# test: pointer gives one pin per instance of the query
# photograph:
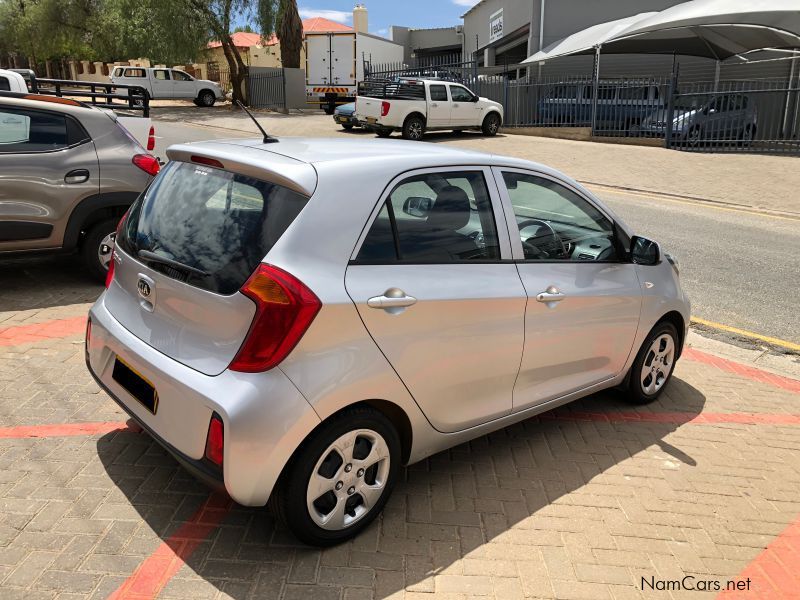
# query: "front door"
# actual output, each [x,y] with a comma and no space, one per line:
[434,284]
[438,106]
[463,111]
[47,165]
[183,85]
[583,300]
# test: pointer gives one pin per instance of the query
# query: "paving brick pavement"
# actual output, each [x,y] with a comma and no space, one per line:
[591,501]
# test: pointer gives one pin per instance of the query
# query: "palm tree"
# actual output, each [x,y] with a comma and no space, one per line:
[290,33]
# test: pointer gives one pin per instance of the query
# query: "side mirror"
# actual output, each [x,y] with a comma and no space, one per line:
[644,251]
[475,98]
[417,206]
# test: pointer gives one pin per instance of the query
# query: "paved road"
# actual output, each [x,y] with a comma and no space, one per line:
[739,268]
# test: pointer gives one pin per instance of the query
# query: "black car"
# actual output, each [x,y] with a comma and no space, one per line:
[345,115]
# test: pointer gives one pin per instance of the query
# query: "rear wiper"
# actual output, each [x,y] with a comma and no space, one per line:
[157,258]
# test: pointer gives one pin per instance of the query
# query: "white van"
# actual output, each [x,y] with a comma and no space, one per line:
[162,84]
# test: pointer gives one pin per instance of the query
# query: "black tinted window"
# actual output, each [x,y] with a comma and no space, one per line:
[5,85]
[438,93]
[437,217]
[209,220]
[31,131]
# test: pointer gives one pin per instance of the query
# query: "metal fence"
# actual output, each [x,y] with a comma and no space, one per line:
[266,88]
[742,115]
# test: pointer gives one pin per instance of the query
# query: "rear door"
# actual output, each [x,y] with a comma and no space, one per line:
[583,298]
[194,238]
[441,298]
[48,164]
[343,59]
[318,50]
[438,106]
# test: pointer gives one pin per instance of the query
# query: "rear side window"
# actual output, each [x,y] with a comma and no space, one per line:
[5,85]
[36,131]
[438,93]
[212,227]
[434,218]
[161,74]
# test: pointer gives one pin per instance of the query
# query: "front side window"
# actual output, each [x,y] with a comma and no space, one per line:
[32,131]
[438,93]
[434,218]
[555,223]
[180,76]
[460,94]
[161,75]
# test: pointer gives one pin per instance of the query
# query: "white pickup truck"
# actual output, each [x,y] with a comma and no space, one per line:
[415,106]
[162,83]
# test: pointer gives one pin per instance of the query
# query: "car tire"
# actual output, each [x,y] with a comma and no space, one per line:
[654,364]
[413,128]
[96,250]
[327,463]
[206,98]
[383,133]
[347,126]
[491,124]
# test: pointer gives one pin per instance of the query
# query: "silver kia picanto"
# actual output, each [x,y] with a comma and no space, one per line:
[297,320]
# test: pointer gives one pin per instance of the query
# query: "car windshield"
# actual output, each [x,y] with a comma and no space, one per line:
[217,225]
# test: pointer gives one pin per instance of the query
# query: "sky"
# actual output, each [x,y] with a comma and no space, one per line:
[383,13]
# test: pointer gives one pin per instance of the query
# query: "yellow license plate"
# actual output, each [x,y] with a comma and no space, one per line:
[372,120]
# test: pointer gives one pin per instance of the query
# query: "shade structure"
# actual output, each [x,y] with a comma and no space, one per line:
[716,29]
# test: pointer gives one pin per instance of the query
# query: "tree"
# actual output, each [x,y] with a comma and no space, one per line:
[244,28]
[290,34]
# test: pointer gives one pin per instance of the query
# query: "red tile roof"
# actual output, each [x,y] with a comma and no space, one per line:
[243,39]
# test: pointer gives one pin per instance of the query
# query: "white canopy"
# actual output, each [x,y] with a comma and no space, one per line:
[715,29]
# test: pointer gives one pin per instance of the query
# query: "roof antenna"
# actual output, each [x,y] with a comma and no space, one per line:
[268,139]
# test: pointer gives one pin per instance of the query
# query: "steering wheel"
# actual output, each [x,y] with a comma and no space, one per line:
[554,248]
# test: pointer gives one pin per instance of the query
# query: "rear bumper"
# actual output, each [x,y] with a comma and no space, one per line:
[265,418]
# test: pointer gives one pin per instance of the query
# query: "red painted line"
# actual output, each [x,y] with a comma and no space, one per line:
[774,574]
[154,573]
[676,418]
[46,330]
[786,383]
[64,429]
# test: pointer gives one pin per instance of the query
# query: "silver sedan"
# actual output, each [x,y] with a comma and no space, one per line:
[297,320]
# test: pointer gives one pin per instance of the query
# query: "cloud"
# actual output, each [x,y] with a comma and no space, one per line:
[467,3]
[339,16]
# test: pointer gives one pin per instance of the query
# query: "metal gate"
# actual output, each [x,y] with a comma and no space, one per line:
[266,88]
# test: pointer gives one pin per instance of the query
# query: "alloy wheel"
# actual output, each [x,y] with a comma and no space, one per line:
[105,249]
[657,364]
[348,479]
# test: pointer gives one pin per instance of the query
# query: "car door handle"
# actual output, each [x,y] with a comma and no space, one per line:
[434,105]
[392,298]
[551,294]
[77,176]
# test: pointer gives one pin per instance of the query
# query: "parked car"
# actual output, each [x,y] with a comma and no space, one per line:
[11,81]
[345,115]
[620,104]
[707,118]
[414,106]
[162,83]
[359,305]
[68,172]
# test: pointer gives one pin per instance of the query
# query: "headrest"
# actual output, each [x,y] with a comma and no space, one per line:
[451,209]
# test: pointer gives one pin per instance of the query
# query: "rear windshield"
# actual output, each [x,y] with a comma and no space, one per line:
[211,227]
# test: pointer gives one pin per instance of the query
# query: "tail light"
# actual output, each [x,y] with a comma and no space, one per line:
[285,308]
[151,139]
[385,106]
[215,442]
[147,163]
[110,274]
